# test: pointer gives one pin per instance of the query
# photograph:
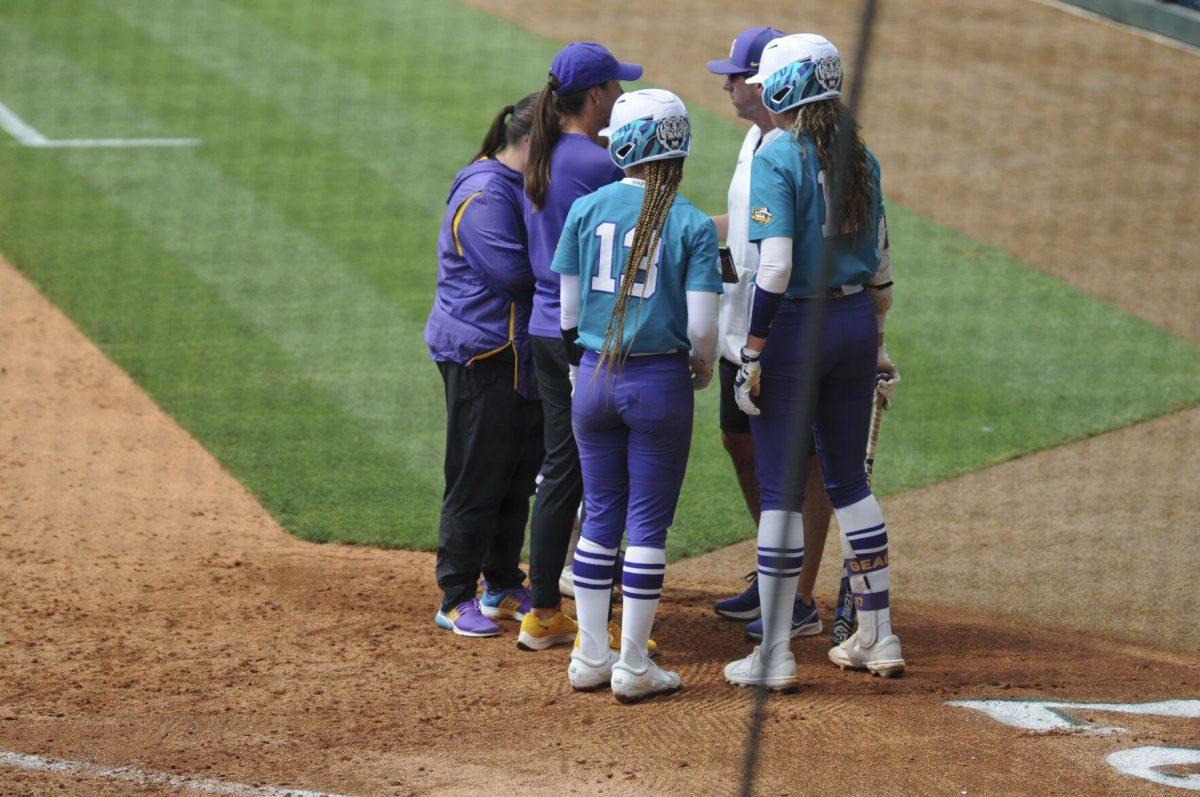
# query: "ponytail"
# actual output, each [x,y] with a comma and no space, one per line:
[543,137]
[510,126]
[494,139]
[822,120]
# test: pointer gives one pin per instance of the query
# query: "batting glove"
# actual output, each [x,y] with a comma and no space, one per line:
[573,375]
[745,384]
[889,377]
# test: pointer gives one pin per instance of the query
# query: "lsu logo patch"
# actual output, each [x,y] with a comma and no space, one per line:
[760,216]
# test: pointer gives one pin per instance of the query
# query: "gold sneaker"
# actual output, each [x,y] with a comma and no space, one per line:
[614,640]
[537,634]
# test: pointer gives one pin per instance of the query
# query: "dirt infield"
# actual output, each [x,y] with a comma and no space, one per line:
[1099,534]
[156,617]
[1066,141]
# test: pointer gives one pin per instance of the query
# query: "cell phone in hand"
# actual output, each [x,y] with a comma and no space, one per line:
[728,272]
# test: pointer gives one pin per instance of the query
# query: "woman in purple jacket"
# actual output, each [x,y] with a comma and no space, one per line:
[478,335]
[566,162]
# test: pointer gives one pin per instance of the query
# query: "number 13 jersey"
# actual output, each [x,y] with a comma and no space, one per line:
[595,245]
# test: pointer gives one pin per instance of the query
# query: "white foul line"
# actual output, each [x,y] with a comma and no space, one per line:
[18,129]
[144,777]
[26,135]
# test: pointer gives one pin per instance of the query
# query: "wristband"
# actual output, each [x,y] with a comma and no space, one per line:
[762,314]
[574,350]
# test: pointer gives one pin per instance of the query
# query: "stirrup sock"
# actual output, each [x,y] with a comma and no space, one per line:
[865,545]
[592,574]
[780,558]
[641,586]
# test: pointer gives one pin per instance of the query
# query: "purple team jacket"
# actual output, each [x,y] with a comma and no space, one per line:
[484,282]
[578,166]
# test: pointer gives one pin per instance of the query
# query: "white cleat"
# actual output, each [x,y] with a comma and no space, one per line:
[883,658]
[566,581]
[630,685]
[778,675]
[586,675]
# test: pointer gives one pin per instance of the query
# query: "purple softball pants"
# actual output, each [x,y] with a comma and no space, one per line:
[845,374]
[633,427]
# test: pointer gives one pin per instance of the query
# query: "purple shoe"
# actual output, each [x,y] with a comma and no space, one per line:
[509,603]
[465,619]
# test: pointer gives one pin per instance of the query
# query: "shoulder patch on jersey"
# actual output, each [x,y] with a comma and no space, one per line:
[760,216]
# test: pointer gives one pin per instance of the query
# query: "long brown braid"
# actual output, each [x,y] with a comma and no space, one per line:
[822,120]
[662,180]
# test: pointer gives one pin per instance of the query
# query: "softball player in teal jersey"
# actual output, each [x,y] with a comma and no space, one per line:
[791,219]
[639,294]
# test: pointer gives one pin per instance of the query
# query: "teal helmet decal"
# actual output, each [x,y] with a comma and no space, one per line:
[644,140]
[801,82]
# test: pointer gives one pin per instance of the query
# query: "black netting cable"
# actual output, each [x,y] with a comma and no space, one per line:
[808,398]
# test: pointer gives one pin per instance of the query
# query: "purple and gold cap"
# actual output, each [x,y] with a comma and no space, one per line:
[746,52]
[581,65]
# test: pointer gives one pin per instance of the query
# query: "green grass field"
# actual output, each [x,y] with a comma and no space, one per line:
[269,288]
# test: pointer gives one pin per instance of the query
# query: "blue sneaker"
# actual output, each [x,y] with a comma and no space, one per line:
[741,607]
[511,604]
[805,622]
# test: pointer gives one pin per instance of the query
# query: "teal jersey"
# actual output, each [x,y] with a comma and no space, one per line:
[594,243]
[789,198]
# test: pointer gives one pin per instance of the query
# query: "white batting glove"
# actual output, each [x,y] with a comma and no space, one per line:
[702,373]
[745,384]
[572,374]
[886,387]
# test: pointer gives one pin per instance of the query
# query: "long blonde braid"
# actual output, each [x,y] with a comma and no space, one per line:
[662,180]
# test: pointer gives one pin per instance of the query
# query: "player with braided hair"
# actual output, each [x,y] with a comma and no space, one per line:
[639,290]
[793,181]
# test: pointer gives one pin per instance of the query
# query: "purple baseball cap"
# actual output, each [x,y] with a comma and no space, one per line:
[581,65]
[746,52]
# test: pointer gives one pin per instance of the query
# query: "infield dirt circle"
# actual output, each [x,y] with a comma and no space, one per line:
[155,616]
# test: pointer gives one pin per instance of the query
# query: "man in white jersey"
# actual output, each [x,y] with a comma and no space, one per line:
[733,228]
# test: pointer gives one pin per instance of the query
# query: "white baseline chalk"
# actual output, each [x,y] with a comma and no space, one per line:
[144,777]
[17,128]
[26,135]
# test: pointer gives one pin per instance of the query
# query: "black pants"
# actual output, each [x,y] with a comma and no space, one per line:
[493,452]
[562,480]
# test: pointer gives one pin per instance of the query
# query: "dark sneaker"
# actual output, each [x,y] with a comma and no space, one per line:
[465,619]
[805,622]
[744,606]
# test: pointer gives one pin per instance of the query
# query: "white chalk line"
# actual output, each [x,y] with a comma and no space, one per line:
[1049,715]
[28,136]
[144,777]
[1144,763]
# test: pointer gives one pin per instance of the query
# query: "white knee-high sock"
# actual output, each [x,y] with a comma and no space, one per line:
[641,586]
[864,537]
[780,558]
[592,572]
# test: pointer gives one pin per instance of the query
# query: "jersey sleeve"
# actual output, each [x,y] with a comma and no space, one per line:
[489,229]
[704,268]
[566,256]
[772,198]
